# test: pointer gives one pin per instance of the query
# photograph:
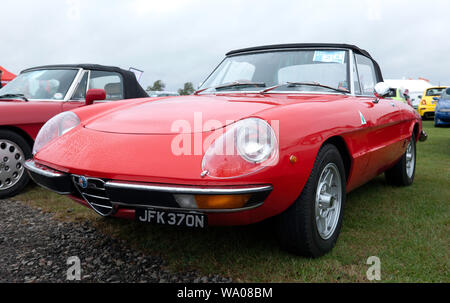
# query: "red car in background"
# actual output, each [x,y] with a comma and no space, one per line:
[279,130]
[40,93]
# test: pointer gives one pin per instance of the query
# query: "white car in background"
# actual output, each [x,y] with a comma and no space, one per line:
[415,98]
[155,93]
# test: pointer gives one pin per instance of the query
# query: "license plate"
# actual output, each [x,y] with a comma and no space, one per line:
[163,217]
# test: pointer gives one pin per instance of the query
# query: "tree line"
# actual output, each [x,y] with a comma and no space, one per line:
[159,85]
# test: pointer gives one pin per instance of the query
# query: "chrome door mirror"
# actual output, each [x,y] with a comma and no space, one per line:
[381,90]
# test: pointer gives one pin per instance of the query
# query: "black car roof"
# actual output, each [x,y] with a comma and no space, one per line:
[84,66]
[300,45]
[309,45]
[132,88]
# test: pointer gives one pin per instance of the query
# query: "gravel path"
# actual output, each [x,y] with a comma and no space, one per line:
[35,248]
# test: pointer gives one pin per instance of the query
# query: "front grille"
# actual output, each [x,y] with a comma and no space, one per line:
[93,191]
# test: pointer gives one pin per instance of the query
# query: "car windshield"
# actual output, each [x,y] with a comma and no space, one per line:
[310,70]
[50,85]
[435,91]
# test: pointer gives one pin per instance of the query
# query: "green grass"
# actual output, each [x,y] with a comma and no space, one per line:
[407,228]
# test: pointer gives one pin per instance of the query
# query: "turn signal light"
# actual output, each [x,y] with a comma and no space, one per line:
[221,201]
[424,102]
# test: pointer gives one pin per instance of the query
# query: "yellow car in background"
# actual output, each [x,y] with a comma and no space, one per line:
[427,105]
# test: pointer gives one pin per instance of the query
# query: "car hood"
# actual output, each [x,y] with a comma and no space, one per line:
[185,114]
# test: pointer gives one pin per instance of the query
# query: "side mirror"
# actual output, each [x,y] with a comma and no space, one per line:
[95,95]
[381,91]
[435,98]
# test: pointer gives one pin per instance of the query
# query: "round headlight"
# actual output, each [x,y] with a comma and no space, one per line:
[247,146]
[255,140]
[54,128]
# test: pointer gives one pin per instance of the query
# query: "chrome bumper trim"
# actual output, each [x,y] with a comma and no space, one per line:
[32,166]
[174,189]
[423,136]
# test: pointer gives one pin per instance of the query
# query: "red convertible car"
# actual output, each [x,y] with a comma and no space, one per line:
[280,130]
[40,93]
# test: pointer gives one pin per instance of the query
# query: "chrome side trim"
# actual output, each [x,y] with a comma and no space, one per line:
[42,170]
[201,210]
[188,190]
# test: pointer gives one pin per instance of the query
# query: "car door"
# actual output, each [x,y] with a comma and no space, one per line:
[111,82]
[383,121]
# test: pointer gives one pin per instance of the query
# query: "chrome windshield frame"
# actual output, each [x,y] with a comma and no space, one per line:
[349,71]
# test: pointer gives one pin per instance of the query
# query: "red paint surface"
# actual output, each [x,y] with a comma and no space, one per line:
[132,141]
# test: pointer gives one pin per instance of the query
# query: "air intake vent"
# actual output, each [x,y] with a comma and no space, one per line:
[93,192]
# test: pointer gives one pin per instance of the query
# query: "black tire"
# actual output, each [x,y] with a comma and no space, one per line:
[298,231]
[398,174]
[20,183]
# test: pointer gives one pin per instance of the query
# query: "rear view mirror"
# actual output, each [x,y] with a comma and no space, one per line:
[95,95]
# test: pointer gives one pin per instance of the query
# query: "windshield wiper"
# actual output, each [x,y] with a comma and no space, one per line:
[237,84]
[293,84]
[21,96]
[232,84]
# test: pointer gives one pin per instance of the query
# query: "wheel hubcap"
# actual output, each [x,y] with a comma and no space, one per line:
[328,201]
[410,159]
[12,159]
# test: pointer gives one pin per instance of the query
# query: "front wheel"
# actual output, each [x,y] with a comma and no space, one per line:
[311,226]
[402,173]
[14,150]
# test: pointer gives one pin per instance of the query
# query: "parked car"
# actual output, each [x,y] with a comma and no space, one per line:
[442,115]
[416,97]
[400,95]
[156,93]
[269,133]
[40,93]
[428,104]
[396,94]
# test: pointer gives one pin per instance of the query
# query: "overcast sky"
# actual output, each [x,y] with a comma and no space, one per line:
[179,41]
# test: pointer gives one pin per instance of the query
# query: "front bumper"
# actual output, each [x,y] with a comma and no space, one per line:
[442,117]
[49,178]
[423,136]
[107,197]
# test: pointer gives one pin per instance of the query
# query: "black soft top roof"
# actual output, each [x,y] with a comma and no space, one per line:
[132,88]
[310,45]
[300,45]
